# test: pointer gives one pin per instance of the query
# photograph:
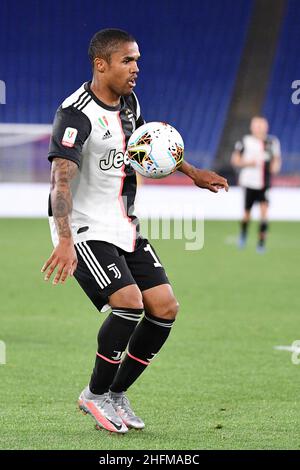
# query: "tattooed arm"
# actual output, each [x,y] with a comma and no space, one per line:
[62,171]
[64,256]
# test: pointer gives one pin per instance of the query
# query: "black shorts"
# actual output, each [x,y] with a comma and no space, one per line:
[104,268]
[254,195]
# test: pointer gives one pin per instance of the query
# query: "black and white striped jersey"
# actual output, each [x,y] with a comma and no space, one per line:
[262,152]
[94,136]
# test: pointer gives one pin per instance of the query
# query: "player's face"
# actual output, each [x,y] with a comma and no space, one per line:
[122,71]
[259,127]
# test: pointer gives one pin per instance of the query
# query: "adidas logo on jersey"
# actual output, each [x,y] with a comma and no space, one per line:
[107,135]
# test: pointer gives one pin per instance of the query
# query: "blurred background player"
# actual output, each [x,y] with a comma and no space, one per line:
[257,156]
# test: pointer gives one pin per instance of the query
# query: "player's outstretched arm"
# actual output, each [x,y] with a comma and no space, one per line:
[63,257]
[204,178]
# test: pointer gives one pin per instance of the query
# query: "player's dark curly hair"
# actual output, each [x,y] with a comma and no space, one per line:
[107,41]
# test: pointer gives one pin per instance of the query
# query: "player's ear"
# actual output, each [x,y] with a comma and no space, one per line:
[99,65]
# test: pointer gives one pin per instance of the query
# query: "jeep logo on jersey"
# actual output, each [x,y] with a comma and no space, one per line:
[113,159]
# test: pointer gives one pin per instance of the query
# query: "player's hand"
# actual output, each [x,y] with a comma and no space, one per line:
[209,180]
[64,258]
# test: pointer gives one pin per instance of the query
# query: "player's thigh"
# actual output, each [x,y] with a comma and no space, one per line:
[249,199]
[151,278]
[145,266]
[161,302]
[102,272]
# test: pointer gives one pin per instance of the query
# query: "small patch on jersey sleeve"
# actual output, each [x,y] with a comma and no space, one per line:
[69,137]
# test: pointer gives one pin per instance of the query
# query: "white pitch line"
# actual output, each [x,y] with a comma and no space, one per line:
[288,348]
[231,240]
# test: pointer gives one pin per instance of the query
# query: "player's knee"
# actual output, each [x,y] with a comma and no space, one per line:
[127,297]
[168,310]
[246,217]
[174,308]
[136,303]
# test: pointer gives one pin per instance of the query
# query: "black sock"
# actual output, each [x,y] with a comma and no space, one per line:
[262,232]
[147,339]
[113,338]
[244,229]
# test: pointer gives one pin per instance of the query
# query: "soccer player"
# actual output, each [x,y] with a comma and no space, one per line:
[257,156]
[96,234]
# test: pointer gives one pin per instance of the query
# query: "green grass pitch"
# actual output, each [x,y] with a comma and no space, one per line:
[217,384]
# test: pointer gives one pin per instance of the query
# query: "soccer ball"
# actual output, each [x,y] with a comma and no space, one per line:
[155,150]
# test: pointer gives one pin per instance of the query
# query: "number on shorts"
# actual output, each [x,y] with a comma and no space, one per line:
[156,262]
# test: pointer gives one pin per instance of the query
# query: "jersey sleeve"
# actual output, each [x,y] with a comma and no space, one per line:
[239,146]
[71,128]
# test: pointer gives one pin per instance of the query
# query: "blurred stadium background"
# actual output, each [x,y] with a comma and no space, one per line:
[207,67]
